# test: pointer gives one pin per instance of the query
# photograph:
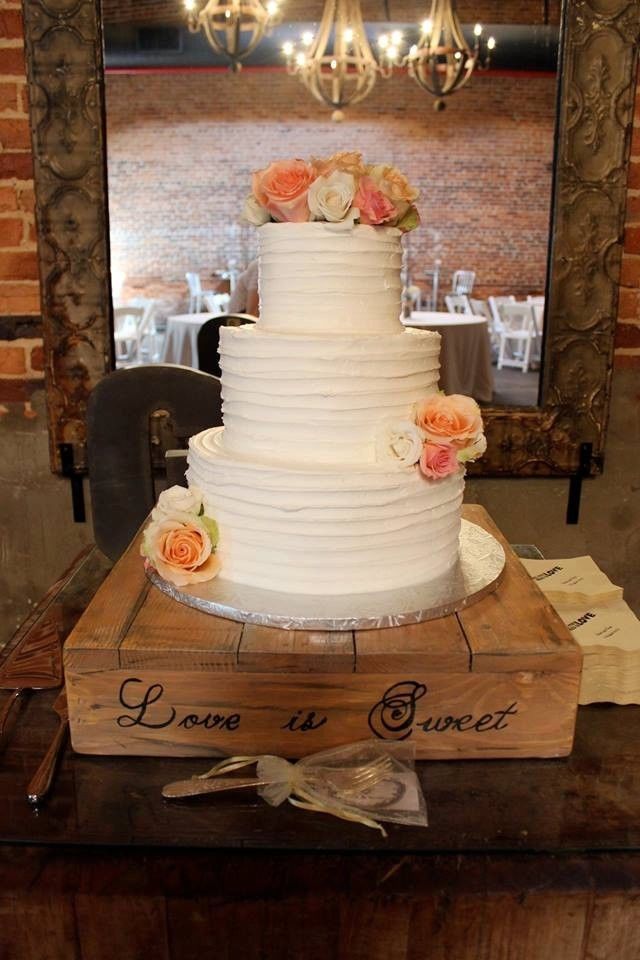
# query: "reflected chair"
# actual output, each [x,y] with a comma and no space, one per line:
[458,303]
[480,308]
[518,333]
[462,282]
[209,339]
[196,293]
[118,441]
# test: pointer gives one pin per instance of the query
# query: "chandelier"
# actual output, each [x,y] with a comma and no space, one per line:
[234,28]
[337,65]
[442,61]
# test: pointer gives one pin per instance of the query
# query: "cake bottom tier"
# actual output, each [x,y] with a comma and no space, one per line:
[326,530]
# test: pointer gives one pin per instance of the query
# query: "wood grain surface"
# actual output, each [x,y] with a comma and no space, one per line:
[148,675]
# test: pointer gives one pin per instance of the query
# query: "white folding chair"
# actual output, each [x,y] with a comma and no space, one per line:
[480,308]
[458,304]
[196,293]
[518,333]
[216,302]
[126,333]
[494,305]
[462,281]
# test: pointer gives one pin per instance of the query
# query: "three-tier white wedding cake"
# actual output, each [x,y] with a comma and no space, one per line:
[307,493]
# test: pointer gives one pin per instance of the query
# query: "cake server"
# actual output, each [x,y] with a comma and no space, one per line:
[40,783]
[35,664]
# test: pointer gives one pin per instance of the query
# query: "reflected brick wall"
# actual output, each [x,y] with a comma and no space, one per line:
[181,148]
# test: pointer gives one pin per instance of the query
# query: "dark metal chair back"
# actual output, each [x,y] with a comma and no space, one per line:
[118,447]
[209,339]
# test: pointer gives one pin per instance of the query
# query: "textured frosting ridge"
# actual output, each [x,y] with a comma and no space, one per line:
[330,278]
[326,530]
[306,399]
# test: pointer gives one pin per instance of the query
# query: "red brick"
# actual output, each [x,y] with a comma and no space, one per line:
[12,61]
[19,266]
[629,304]
[11,232]
[8,95]
[626,361]
[18,165]
[11,24]
[633,180]
[14,133]
[632,240]
[13,361]
[37,358]
[8,199]
[19,298]
[630,272]
[627,335]
[633,208]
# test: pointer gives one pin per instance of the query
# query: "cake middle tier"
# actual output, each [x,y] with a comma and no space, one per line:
[298,399]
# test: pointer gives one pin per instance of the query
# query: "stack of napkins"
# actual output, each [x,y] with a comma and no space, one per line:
[603,624]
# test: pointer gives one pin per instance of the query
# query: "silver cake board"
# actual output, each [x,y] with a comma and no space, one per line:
[477,572]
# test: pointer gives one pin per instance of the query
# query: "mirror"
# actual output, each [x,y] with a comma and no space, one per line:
[551,429]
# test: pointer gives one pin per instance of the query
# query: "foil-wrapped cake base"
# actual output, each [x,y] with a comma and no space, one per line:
[477,572]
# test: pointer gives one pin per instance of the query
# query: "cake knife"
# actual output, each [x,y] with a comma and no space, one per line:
[35,664]
[40,782]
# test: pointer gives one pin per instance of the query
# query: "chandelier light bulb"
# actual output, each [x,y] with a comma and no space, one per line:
[307,38]
[287,48]
[413,50]
[189,5]
[383,41]
[427,26]
[272,8]
[396,38]
[348,35]
[301,59]
[477,30]
[491,43]
[334,64]
[392,53]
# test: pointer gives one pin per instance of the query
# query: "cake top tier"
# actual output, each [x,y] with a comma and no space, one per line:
[330,278]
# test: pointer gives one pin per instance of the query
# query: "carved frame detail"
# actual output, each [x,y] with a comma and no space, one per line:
[63,41]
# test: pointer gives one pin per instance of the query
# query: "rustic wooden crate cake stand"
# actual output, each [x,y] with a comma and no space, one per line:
[147,675]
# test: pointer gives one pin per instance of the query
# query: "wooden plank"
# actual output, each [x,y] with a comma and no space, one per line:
[187,713]
[614,927]
[126,927]
[270,650]
[167,634]
[435,645]
[106,620]
[515,627]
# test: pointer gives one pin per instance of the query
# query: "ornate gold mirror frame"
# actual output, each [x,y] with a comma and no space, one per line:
[565,434]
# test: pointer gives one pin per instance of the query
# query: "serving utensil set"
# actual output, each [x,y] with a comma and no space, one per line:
[36,664]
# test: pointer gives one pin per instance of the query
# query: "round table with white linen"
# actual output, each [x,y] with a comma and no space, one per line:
[465,355]
[181,338]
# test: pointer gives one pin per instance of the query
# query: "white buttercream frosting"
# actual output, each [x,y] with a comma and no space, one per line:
[331,529]
[309,399]
[329,278]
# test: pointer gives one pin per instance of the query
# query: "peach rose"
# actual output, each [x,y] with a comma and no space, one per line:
[438,460]
[181,550]
[373,205]
[394,185]
[345,161]
[282,187]
[454,419]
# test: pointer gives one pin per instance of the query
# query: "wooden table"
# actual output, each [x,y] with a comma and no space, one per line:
[523,860]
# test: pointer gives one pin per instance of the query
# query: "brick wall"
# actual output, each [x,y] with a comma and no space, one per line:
[489,11]
[182,147]
[21,360]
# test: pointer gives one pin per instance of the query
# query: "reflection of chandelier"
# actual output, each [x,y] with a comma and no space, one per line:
[338,65]
[442,61]
[234,28]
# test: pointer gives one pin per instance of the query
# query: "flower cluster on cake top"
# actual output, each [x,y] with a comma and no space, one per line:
[339,189]
[445,433]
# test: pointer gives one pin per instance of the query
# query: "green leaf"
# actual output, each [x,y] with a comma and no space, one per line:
[410,221]
[212,529]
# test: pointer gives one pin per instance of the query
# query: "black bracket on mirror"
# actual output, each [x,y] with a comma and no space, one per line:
[588,465]
[75,476]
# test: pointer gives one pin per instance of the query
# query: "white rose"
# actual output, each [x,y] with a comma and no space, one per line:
[254,213]
[177,500]
[474,450]
[329,198]
[400,440]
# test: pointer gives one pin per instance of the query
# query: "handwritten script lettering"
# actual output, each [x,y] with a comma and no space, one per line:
[141,714]
[394,716]
[297,723]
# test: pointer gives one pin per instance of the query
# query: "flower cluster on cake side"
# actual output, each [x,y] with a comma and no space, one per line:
[445,433]
[337,189]
[180,541]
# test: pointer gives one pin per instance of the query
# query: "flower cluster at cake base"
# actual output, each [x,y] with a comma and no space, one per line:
[339,189]
[180,541]
[445,433]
